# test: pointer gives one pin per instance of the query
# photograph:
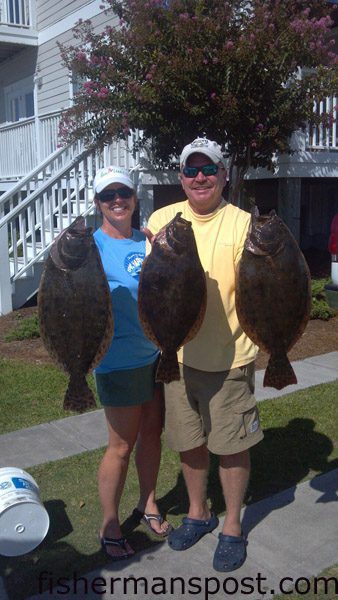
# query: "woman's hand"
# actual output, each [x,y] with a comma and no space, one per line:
[150,236]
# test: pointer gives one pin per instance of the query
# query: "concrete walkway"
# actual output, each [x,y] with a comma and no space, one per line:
[291,535]
[73,435]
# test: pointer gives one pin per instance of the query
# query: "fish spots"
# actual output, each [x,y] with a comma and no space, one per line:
[75,329]
[172,294]
[273,297]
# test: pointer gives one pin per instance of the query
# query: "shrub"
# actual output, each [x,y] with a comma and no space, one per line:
[320,308]
[28,328]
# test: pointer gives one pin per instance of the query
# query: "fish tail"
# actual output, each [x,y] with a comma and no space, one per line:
[79,397]
[279,373]
[168,369]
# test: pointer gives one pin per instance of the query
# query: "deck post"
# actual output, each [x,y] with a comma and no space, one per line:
[6,305]
[38,154]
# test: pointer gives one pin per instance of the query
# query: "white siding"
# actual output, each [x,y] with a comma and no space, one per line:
[54,92]
[50,12]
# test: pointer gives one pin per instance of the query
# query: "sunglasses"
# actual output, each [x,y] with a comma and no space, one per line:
[206,170]
[108,195]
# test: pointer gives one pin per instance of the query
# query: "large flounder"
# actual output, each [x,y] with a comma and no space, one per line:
[273,294]
[172,294]
[75,310]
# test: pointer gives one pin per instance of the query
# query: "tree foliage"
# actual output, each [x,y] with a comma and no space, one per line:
[176,69]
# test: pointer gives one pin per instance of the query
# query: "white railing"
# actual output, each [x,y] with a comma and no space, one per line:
[18,151]
[324,136]
[48,131]
[26,143]
[15,13]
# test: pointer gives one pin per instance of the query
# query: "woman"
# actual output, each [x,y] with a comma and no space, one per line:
[124,378]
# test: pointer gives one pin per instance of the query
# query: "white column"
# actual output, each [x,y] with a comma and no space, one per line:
[145,196]
[37,84]
[31,13]
[5,280]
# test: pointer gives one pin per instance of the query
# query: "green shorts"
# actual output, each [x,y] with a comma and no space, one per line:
[217,409]
[128,387]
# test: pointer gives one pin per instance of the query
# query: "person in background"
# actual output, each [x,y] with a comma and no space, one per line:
[212,408]
[125,377]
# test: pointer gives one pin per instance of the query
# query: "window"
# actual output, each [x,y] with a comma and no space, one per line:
[19,100]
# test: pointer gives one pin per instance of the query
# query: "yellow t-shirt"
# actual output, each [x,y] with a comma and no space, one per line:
[220,343]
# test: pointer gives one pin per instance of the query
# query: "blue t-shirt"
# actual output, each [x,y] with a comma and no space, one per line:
[122,260]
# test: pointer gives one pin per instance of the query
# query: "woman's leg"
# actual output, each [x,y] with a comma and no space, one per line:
[148,456]
[123,427]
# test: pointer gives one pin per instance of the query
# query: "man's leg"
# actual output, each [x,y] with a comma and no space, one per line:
[185,433]
[195,467]
[199,521]
[234,472]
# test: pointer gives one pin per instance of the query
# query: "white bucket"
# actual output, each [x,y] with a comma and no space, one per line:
[24,521]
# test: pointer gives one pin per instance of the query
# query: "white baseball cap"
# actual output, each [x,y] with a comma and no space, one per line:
[203,146]
[109,175]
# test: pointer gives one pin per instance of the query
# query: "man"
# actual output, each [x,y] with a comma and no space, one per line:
[212,408]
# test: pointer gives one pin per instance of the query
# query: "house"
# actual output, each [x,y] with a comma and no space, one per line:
[43,187]
[35,86]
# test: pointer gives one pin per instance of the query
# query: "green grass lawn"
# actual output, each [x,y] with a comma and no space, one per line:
[301,441]
[31,394]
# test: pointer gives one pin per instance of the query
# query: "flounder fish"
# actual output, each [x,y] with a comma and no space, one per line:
[273,294]
[172,294]
[75,310]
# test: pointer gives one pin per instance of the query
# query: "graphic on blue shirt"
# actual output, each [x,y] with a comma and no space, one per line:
[133,263]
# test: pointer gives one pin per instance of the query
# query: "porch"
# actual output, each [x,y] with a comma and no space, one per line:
[30,141]
[43,188]
[17,26]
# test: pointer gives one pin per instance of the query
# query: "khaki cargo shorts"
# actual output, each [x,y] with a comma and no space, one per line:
[217,409]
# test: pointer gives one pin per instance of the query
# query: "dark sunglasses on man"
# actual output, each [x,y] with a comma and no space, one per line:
[109,195]
[206,170]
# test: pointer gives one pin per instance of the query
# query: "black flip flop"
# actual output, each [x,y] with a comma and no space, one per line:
[118,542]
[146,518]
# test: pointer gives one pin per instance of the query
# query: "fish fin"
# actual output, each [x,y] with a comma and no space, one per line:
[79,397]
[279,373]
[168,369]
